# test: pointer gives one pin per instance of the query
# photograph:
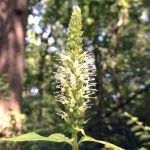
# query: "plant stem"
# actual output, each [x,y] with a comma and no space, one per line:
[75,145]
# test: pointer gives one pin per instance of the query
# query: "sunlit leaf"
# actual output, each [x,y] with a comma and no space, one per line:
[107,144]
[57,137]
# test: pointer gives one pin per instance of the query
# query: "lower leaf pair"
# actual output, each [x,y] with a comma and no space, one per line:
[58,137]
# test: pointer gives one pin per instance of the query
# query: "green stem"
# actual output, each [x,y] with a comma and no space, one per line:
[75,145]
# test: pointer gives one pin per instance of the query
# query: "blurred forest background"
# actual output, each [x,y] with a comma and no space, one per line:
[116,31]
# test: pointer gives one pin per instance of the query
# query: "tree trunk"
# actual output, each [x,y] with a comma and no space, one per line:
[13,18]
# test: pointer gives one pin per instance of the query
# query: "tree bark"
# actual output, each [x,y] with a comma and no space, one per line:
[13,18]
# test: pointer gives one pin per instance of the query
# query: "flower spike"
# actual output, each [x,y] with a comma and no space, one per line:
[75,76]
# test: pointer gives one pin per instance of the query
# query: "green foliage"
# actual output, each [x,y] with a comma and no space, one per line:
[141,132]
[57,137]
[107,145]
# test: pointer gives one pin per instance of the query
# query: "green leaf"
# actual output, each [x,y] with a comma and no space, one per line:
[57,137]
[107,144]
[136,128]
[138,133]
[144,137]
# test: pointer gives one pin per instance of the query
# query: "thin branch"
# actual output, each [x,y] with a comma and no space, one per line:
[131,97]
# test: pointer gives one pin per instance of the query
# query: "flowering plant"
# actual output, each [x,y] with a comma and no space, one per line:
[76,86]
